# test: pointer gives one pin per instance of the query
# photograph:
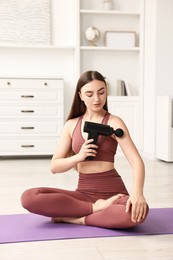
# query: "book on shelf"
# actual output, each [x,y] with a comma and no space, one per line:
[123,88]
[128,88]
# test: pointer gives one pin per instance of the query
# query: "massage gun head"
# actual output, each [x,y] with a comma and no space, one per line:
[119,132]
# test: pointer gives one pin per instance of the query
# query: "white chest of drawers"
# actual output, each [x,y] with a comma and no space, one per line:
[31,115]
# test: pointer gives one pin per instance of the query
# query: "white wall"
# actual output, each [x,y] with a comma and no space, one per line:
[158,65]
[164,48]
[44,61]
[149,79]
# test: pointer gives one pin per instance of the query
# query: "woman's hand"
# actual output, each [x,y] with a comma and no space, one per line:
[87,149]
[138,206]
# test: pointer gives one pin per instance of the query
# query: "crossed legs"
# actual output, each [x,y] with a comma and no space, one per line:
[74,207]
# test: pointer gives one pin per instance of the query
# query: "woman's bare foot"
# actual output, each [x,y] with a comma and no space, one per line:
[79,221]
[103,204]
[97,206]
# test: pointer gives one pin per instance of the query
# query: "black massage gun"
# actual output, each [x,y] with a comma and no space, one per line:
[95,129]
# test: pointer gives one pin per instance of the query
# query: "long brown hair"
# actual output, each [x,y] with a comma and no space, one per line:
[78,107]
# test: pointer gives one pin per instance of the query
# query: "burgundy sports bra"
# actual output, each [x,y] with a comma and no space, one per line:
[107,146]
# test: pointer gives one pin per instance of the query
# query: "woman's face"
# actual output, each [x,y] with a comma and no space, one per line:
[94,95]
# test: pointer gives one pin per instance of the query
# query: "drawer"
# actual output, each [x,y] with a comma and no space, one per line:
[32,111]
[29,146]
[31,127]
[45,84]
[32,96]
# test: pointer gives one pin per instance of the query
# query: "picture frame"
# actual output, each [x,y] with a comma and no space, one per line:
[120,39]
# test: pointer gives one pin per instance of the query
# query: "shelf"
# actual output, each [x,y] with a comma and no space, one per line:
[46,47]
[104,48]
[44,77]
[113,12]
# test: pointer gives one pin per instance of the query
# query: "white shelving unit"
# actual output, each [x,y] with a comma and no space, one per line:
[164,128]
[126,63]
[116,63]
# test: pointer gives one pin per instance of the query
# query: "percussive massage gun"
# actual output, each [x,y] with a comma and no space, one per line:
[95,129]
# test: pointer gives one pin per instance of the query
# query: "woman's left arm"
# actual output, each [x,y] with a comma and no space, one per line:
[136,202]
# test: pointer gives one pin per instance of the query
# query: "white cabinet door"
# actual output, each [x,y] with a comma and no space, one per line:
[128,109]
[164,128]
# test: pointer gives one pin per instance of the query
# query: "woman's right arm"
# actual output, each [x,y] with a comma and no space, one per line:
[61,161]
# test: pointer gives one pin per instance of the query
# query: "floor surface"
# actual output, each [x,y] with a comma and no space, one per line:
[18,175]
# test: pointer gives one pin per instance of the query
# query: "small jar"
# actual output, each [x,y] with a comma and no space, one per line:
[108,4]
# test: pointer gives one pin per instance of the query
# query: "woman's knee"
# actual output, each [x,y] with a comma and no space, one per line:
[27,198]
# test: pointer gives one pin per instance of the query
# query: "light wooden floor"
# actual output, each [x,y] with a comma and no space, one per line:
[16,175]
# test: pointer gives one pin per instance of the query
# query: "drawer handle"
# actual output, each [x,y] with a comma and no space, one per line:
[27,96]
[27,111]
[27,127]
[27,145]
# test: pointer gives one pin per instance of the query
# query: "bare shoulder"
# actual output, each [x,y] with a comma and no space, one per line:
[116,122]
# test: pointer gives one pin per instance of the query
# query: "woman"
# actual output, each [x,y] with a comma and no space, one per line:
[101,198]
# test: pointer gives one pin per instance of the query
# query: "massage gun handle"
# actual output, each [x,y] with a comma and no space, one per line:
[94,136]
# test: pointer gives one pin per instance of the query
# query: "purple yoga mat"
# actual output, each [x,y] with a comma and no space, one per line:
[29,227]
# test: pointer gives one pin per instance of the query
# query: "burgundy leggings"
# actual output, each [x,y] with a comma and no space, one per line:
[54,202]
